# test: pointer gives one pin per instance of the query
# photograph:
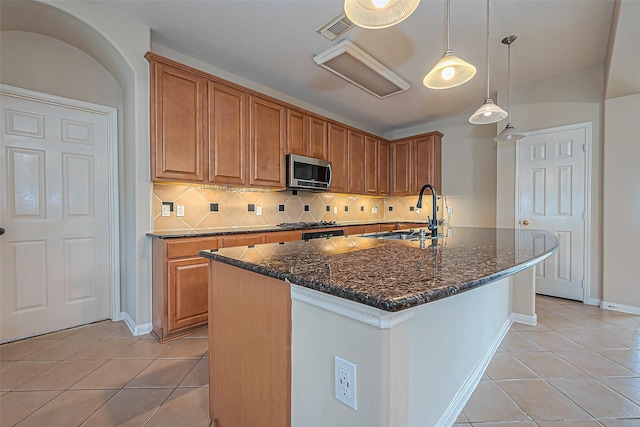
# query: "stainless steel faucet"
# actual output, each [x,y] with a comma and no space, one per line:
[432,223]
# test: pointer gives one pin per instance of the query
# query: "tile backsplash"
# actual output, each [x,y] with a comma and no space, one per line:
[213,207]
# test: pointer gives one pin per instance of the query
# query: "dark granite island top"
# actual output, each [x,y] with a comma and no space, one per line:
[393,275]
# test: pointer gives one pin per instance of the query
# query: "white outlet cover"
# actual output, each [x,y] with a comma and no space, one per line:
[259,210]
[166,210]
[335,210]
[346,383]
[180,210]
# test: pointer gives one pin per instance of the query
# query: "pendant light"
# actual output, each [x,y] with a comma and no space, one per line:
[509,133]
[374,14]
[489,112]
[450,71]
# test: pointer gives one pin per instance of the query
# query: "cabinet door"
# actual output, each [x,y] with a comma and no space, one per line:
[355,164]
[427,161]
[401,158]
[177,124]
[267,142]
[297,132]
[317,138]
[338,155]
[187,288]
[227,135]
[383,168]
[370,165]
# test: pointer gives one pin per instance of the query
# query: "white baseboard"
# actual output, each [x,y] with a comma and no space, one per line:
[524,319]
[464,393]
[593,301]
[620,307]
[136,330]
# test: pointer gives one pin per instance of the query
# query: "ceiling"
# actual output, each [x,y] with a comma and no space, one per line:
[272,43]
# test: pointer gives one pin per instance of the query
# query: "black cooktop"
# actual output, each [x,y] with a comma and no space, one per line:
[305,225]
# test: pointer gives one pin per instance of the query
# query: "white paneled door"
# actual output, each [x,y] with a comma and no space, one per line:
[552,197]
[55,253]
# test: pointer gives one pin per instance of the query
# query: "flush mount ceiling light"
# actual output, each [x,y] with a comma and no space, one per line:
[489,112]
[450,71]
[353,64]
[509,133]
[374,14]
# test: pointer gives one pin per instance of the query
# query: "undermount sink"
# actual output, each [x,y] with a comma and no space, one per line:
[394,235]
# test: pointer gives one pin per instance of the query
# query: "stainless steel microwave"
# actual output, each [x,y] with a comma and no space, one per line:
[308,173]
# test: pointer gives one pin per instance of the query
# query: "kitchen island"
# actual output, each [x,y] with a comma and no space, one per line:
[420,324]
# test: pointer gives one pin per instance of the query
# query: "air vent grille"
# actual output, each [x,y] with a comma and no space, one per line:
[353,64]
[337,26]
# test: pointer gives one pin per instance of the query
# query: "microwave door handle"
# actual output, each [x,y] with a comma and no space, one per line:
[329,172]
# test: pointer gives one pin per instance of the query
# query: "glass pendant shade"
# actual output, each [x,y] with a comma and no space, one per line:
[374,14]
[450,71]
[509,134]
[489,112]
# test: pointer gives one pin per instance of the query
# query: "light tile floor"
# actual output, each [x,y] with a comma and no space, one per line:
[579,367]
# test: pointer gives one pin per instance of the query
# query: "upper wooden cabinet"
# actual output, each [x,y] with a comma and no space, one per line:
[417,161]
[401,167]
[427,161]
[384,165]
[228,139]
[371,171]
[177,124]
[267,143]
[306,134]
[355,163]
[338,155]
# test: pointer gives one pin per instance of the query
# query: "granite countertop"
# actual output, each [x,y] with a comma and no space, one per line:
[393,275]
[257,229]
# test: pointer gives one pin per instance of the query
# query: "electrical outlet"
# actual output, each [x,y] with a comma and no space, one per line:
[417,211]
[449,231]
[166,209]
[374,209]
[449,209]
[259,210]
[335,209]
[346,382]
[180,210]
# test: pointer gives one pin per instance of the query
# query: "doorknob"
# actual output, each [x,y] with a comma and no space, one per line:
[1,231]
[525,222]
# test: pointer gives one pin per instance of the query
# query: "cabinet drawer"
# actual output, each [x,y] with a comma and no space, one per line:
[282,236]
[190,246]
[371,228]
[354,229]
[242,240]
[387,227]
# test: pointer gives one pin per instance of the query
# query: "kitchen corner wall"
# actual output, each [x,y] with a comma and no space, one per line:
[277,207]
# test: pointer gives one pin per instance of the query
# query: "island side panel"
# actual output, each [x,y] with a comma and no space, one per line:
[249,348]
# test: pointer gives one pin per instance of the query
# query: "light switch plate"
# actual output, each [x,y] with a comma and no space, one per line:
[166,210]
[258,210]
[335,209]
[180,210]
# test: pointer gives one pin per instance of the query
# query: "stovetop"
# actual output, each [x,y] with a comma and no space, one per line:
[305,225]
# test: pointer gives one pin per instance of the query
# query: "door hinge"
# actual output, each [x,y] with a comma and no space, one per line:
[582,284]
[584,216]
[584,147]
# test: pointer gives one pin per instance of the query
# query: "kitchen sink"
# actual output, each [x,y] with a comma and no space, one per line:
[394,235]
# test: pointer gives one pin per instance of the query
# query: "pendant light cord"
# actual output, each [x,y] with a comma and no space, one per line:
[448,22]
[509,80]
[488,50]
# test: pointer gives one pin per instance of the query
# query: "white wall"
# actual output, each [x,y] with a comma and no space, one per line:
[468,169]
[118,44]
[559,101]
[621,281]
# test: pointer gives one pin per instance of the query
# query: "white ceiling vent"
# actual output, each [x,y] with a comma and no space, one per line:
[352,63]
[338,25]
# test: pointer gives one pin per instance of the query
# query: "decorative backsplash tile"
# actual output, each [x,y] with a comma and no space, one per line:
[208,207]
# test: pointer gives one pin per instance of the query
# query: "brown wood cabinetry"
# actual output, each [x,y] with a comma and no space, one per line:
[306,134]
[250,348]
[267,143]
[384,165]
[180,280]
[427,161]
[401,158]
[338,155]
[371,171]
[228,141]
[355,162]
[177,124]
[416,161]
[242,240]
[282,236]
